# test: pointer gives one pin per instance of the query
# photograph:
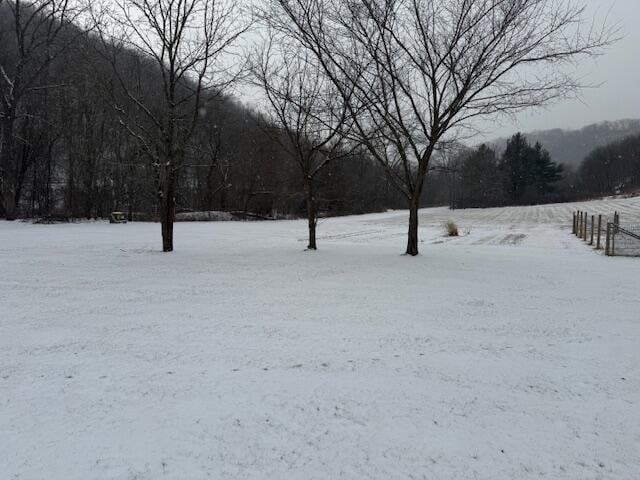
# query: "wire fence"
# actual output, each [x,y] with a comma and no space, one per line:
[625,240]
[607,234]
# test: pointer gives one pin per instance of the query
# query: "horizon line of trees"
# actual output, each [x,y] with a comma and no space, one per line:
[523,174]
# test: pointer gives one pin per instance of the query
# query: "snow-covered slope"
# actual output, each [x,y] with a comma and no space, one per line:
[511,352]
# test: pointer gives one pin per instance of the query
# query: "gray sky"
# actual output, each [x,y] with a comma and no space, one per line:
[615,76]
[617,73]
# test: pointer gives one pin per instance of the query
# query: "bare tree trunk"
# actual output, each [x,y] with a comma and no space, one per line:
[7,167]
[17,195]
[223,199]
[22,169]
[312,228]
[412,240]
[167,214]
[9,201]
[209,189]
[35,193]
[312,213]
[47,192]
[70,194]
[414,205]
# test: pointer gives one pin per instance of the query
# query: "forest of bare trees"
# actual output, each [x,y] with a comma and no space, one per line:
[92,121]
[612,169]
[130,105]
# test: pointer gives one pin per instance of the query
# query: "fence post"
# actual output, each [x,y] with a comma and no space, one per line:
[607,241]
[586,223]
[573,224]
[599,232]
[593,224]
[579,229]
[578,213]
[614,229]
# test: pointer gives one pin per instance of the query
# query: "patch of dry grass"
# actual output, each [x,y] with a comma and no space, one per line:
[451,228]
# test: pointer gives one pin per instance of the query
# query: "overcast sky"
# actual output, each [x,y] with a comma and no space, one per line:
[617,73]
[615,76]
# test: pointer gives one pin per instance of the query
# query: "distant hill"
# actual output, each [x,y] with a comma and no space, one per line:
[571,146]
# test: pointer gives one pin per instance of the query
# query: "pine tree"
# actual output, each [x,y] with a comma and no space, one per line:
[528,173]
[514,166]
[546,173]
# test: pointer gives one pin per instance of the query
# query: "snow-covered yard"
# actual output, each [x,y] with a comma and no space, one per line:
[512,352]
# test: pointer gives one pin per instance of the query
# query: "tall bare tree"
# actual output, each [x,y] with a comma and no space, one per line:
[311,120]
[186,41]
[416,74]
[32,34]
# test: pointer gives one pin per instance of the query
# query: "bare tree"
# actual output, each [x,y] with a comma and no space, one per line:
[310,117]
[186,40]
[32,34]
[418,73]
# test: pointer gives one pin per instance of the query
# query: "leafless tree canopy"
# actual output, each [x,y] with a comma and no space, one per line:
[419,72]
[186,40]
[312,119]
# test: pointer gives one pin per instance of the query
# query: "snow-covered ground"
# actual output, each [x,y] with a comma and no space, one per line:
[512,352]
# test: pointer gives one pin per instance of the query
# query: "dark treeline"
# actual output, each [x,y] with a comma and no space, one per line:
[67,152]
[523,174]
[612,169]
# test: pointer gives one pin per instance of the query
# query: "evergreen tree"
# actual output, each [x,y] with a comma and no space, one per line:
[545,173]
[528,173]
[515,168]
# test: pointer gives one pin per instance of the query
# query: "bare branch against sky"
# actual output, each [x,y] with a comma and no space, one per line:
[616,71]
[614,78]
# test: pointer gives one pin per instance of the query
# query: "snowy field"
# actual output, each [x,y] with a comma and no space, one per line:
[512,352]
